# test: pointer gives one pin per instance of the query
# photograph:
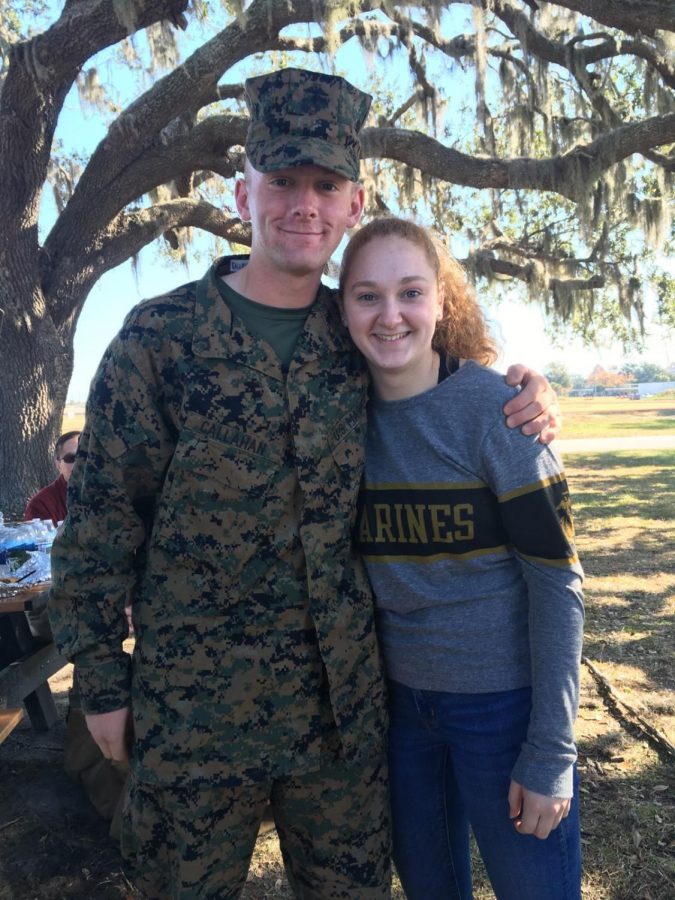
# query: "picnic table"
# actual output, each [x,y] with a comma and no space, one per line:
[26,661]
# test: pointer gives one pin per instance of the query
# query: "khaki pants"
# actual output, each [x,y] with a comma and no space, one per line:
[102,780]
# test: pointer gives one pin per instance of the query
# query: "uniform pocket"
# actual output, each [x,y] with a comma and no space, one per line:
[213,505]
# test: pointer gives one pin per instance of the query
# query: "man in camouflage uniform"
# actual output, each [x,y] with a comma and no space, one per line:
[216,485]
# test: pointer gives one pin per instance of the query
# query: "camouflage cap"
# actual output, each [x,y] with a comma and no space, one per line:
[301,118]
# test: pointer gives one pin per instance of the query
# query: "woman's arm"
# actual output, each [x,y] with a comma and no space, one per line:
[534,506]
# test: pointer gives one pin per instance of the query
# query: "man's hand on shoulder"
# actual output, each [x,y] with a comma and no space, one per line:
[535,407]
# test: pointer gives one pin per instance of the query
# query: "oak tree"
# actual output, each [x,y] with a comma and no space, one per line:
[541,132]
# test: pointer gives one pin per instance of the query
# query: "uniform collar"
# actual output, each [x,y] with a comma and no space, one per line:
[216,334]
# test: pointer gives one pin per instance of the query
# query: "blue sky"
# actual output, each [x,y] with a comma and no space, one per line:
[521,329]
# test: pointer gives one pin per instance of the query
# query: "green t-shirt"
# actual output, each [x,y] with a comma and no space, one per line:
[280,328]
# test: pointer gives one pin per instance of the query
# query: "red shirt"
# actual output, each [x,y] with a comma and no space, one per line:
[49,503]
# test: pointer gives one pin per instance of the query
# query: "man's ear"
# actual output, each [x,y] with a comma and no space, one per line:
[241,199]
[358,201]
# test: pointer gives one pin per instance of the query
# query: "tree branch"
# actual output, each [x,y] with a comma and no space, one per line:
[623,710]
[533,251]
[41,71]
[568,174]
[187,86]
[667,162]
[184,89]
[633,16]
[194,84]
[129,233]
[612,46]
[576,58]
[462,45]
[142,151]
[206,146]
[403,108]
[486,264]
[457,48]
[83,29]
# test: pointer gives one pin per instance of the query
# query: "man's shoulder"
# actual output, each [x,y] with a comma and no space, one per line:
[327,303]
[41,504]
[55,487]
[156,313]
[155,335]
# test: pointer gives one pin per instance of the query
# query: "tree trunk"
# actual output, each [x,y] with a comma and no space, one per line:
[37,362]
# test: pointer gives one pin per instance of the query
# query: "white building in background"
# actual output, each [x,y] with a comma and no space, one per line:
[647,388]
[633,389]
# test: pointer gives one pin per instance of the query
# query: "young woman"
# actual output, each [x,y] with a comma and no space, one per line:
[466,530]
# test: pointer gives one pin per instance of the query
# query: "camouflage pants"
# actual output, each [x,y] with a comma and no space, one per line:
[333,827]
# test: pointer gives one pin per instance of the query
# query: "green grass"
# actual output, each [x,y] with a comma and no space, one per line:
[630,485]
[591,417]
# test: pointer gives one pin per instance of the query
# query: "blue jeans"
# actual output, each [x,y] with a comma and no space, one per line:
[450,763]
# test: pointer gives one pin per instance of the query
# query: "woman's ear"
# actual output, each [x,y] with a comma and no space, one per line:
[441,304]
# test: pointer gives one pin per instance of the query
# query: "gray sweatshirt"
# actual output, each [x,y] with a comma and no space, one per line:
[465,527]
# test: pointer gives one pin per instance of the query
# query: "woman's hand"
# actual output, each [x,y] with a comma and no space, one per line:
[534,813]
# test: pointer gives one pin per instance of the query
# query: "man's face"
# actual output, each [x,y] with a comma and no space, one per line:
[66,456]
[298,215]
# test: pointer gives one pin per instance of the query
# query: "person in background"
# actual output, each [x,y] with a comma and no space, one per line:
[50,502]
[99,778]
[217,484]
[465,528]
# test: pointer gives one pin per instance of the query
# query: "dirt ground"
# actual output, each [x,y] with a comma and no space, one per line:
[53,846]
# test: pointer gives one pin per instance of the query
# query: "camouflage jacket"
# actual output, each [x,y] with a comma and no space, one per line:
[221,495]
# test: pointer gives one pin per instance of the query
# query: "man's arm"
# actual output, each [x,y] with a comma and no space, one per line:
[124,451]
[93,571]
[535,407]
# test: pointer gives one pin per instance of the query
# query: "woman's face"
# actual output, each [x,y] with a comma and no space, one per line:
[391,305]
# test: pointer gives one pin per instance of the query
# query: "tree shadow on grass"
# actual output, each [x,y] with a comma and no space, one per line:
[627,825]
[623,506]
[638,486]
[632,627]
